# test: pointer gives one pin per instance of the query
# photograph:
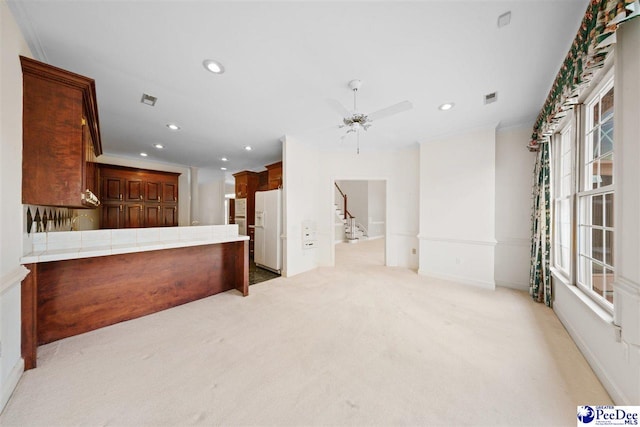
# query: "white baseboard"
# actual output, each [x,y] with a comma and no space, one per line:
[9,385]
[511,285]
[462,280]
[614,391]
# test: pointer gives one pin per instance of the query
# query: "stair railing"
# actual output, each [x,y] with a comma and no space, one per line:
[347,214]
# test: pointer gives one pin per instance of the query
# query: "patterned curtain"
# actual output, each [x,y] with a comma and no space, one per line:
[595,39]
[588,53]
[540,274]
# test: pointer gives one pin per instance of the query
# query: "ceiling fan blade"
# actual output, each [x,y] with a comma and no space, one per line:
[338,108]
[386,112]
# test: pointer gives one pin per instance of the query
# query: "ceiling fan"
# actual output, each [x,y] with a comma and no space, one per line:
[355,120]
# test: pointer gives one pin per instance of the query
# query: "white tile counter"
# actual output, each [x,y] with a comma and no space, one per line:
[64,245]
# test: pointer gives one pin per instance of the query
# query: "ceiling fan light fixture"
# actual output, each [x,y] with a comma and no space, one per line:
[158,146]
[248,148]
[214,66]
[446,106]
[173,126]
[224,159]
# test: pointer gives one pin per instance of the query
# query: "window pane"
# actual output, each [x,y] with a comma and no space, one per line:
[595,144]
[608,248]
[606,137]
[608,209]
[597,243]
[585,272]
[598,283]
[607,105]
[608,283]
[596,114]
[596,210]
[606,170]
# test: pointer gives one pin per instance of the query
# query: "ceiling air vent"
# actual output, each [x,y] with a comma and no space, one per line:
[148,99]
[490,98]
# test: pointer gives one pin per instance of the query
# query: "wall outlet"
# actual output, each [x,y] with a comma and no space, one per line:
[457,261]
[413,251]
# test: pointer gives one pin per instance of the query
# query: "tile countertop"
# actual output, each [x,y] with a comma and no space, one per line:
[63,245]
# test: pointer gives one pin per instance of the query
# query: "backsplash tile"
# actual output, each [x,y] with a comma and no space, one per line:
[40,219]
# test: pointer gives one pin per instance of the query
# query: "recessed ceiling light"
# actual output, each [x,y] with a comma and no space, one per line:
[224,159]
[248,148]
[446,106]
[144,154]
[213,66]
[173,126]
[223,169]
[158,146]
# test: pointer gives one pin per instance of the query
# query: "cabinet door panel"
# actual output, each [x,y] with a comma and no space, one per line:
[154,191]
[152,216]
[170,216]
[134,216]
[134,190]
[169,192]
[112,189]
[112,216]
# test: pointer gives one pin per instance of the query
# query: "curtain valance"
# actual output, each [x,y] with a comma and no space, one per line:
[589,50]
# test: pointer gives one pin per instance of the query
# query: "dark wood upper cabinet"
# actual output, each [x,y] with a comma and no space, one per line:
[137,197]
[61,137]
[274,172]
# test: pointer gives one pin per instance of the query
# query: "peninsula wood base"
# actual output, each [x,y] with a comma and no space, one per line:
[65,298]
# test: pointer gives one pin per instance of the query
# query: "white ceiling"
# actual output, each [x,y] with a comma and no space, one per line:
[284,59]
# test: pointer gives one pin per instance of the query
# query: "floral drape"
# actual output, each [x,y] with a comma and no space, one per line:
[588,53]
[540,274]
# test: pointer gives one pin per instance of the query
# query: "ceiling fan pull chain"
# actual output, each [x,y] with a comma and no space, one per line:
[358,143]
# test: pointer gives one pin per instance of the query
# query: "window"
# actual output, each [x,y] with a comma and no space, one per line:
[582,172]
[563,192]
[595,227]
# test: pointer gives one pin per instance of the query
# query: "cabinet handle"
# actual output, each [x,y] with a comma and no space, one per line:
[120,208]
[141,197]
[140,208]
[158,208]
[120,196]
[158,198]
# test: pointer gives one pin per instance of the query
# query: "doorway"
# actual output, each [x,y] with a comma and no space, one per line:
[359,216]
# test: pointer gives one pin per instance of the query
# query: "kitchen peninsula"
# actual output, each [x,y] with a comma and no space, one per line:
[85,280]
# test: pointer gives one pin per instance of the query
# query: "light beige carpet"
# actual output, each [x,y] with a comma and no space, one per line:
[359,344]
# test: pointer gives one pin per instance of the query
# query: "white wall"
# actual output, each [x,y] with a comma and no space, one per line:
[11,219]
[614,354]
[377,208]
[184,180]
[211,204]
[514,178]
[457,208]
[300,168]
[309,194]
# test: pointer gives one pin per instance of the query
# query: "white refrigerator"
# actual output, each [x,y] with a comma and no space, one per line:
[268,227]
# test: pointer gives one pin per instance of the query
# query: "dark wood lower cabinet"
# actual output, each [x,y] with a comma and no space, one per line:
[112,216]
[65,298]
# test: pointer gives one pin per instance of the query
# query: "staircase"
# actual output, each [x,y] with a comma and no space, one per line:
[347,229]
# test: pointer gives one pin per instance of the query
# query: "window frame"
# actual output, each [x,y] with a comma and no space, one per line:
[581,193]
